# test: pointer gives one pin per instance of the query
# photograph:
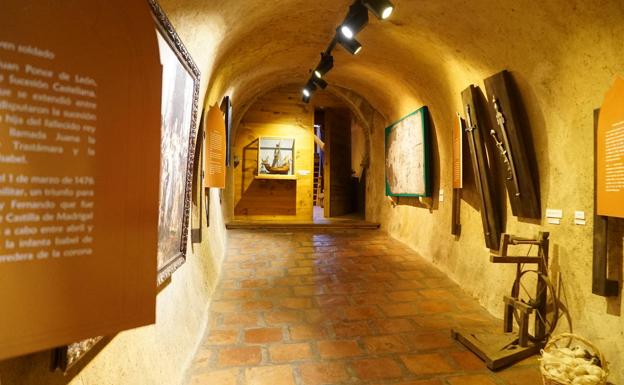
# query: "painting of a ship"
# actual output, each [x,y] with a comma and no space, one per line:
[275,156]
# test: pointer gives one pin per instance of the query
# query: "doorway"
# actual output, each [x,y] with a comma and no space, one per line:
[338,187]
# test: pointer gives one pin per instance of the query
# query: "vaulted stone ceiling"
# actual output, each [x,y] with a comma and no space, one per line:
[425,54]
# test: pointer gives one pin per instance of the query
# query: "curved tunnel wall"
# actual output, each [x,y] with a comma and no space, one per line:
[563,55]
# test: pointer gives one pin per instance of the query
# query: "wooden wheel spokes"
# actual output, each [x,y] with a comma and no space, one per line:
[544,302]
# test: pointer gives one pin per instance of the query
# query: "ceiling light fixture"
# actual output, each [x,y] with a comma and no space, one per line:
[308,90]
[320,83]
[325,65]
[351,45]
[356,20]
[380,8]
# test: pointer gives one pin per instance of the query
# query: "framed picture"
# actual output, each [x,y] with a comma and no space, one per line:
[407,156]
[180,96]
[226,107]
[276,156]
[66,357]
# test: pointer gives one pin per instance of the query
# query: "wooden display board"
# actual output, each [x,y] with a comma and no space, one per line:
[79,134]
[610,153]
[476,132]
[215,148]
[509,134]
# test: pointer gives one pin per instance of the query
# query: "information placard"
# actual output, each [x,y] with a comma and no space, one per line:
[79,156]
[458,167]
[610,153]
[215,148]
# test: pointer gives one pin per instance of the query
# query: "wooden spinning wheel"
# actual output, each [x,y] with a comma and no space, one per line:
[533,297]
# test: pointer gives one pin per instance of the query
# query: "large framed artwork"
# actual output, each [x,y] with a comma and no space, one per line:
[407,156]
[276,156]
[180,96]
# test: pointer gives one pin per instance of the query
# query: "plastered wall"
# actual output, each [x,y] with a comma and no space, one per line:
[561,83]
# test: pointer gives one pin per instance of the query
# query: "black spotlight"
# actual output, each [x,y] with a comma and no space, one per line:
[380,8]
[326,64]
[320,83]
[356,20]
[351,45]
[308,90]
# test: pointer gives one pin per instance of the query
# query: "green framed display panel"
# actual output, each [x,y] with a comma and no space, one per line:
[407,152]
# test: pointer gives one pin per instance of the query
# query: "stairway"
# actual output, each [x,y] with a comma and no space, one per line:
[318,194]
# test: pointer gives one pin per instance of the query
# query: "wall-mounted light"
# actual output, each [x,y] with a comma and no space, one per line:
[324,66]
[380,8]
[351,45]
[356,20]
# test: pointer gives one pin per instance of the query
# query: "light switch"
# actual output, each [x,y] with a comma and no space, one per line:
[579,215]
[554,221]
[441,195]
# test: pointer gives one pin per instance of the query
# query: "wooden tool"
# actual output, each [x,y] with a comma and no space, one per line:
[499,350]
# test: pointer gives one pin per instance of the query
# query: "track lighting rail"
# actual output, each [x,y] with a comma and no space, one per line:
[354,22]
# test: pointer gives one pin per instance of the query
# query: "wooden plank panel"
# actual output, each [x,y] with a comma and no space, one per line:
[276,114]
[483,178]
[338,163]
[524,199]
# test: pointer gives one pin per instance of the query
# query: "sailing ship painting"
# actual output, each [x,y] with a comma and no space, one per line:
[275,156]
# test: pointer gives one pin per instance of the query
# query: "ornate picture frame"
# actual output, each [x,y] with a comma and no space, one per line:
[177,144]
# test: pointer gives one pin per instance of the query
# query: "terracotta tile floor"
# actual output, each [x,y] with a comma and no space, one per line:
[339,307]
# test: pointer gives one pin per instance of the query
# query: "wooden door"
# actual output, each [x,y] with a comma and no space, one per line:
[338,187]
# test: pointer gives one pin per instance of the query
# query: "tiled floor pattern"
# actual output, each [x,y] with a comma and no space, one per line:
[340,307]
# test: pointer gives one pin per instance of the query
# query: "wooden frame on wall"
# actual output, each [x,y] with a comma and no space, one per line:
[270,149]
[175,193]
[66,357]
[407,156]
[226,107]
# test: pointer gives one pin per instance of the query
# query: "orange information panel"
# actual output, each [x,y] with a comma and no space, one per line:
[215,148]
[79,154]
[458,135]
[610,153]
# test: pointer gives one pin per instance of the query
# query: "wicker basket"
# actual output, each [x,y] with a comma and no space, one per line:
[573,340]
